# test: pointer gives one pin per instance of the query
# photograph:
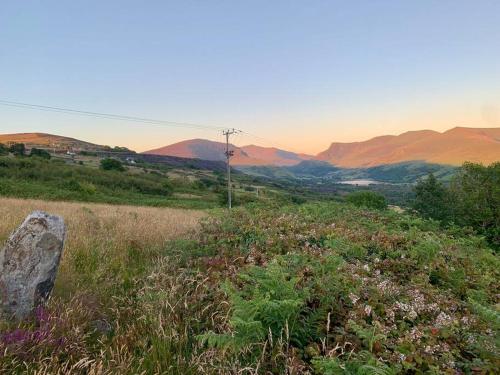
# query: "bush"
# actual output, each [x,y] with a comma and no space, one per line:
[367,199]
[472,200]
[110,164]
[237,198]
[57,180]
[475,193]
[40,153]
[18,149]
[432,200]
[3,149]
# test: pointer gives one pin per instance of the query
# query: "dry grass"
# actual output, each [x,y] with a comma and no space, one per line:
[112,256]
[87,221]
[99,233]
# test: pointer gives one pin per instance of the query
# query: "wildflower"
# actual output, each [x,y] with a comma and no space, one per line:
[368,310]
[354,298]
[416,334]
[443,320]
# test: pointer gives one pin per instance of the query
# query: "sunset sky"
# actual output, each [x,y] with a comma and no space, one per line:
[300,74]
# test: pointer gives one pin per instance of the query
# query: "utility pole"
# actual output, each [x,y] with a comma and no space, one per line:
[229,154]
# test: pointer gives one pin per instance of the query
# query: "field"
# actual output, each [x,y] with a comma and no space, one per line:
[321,288]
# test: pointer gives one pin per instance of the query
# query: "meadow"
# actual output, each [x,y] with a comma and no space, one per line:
[318,288]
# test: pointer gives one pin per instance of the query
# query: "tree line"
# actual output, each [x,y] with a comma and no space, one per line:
[471,199]
[19,149]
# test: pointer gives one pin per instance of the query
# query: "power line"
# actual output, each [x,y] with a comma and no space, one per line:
[108,116]
[144,120]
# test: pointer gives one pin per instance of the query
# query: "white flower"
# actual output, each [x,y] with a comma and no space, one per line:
[368,310]
[354,298]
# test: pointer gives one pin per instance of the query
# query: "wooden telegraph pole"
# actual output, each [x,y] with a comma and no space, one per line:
[229,154]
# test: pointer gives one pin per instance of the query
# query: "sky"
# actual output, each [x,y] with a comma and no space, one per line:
[296,74]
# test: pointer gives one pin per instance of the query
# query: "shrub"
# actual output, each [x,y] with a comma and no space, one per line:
[269,303]
[432,200]
[110,164]
[476,199]
[40,153]
[471,200]
[367,199]
[18,149]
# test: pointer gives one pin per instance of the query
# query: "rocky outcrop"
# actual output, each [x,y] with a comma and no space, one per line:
[29,263]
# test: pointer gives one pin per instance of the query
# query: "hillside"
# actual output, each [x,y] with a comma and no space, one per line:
[405,172]
[49,141]
[451,147]
[246,155]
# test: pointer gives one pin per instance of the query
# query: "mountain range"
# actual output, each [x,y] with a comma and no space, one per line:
[451,147]
[245,155]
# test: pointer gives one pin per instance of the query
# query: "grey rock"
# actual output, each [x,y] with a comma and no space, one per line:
[29,263]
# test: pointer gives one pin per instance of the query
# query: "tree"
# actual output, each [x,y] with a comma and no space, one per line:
[3,149]
[110,164]
[432,199]
[18,149]
[40,153]
[476,199]
[368,199]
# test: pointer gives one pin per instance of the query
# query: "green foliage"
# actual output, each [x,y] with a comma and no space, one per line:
[406,172]
[269,303]
[369,335]
[3,150]
[472,200]
[368,199]
[490,315]
[39,153]
[476,199]
[432,200]
[362,364]
[382,288]
[18,149]
[238,198]
[110,164]
[55,180]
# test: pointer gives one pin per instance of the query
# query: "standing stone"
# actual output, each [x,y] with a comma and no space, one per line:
[29,262]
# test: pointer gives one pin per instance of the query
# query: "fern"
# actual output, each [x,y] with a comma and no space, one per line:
[368,335]
[489,315]
[269,302]
[363,364]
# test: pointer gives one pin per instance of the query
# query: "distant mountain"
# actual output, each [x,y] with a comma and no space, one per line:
[274,156]
[452,147]
[50,141]
[246,155]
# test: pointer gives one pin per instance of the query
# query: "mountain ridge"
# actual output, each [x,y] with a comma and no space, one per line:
[244,155]
[451,147]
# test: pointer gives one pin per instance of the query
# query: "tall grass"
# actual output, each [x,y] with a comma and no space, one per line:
[103,311]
